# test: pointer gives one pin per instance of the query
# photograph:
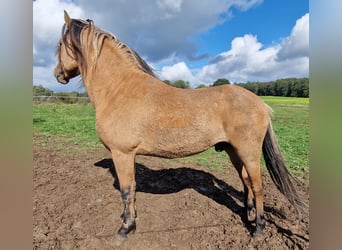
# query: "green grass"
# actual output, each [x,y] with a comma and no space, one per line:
[278,100]
[76,124]
[291,125]
[67,122]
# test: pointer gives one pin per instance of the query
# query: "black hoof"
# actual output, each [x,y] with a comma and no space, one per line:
[126,229]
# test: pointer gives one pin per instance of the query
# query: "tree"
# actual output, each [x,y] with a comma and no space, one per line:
[39,90]
[201,86]
[178,84]
[168,82]
[181,84]
[289,87]
[221,81]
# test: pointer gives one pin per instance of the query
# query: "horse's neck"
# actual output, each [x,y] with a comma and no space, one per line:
[111,77]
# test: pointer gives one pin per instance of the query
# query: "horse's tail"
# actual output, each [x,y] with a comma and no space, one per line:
[279,173]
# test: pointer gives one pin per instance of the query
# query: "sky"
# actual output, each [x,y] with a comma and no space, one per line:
[193,40]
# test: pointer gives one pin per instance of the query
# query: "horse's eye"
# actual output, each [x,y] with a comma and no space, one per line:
[59,45]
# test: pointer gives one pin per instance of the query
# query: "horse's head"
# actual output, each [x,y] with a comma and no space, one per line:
[68,51]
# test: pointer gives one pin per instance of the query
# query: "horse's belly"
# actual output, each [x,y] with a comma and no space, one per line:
[173,142]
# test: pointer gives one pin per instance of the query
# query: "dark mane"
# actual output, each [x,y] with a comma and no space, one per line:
[75,44]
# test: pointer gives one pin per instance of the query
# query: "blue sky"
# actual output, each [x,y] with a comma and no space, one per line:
[271,21]
[194,40]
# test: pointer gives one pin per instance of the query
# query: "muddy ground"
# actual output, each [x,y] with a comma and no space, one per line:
[77,205]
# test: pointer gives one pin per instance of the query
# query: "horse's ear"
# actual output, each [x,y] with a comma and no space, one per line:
[67,19]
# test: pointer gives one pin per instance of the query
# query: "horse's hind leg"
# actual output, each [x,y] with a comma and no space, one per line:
[254,173]
[248,193]
[125,170]
[246,158]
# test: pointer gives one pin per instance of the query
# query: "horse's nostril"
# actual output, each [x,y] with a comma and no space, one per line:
[58,76]
[61,78]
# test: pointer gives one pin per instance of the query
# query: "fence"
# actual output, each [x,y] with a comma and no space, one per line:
[61,99]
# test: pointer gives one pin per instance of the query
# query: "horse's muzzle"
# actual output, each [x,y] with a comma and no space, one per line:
[60,78]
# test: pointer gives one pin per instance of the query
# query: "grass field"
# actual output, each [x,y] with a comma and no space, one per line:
[279,100]
[76,124]
[68,122]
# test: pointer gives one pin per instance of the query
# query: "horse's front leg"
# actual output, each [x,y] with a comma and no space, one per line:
[125,170]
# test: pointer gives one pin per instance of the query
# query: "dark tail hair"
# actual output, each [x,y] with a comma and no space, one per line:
[279,173]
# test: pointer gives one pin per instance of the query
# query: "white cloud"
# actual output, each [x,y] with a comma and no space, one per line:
[297,44]
[248,60]
[48,18]
[178,71]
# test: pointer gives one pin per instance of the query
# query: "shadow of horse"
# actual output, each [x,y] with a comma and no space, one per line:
[173,180]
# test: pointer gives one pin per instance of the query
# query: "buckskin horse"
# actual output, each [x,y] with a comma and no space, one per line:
[137,114]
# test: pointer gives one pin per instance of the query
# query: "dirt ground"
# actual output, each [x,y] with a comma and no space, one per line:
[77,205]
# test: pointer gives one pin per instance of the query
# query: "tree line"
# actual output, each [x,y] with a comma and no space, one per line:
[288,87]
[42,94]
[39,90]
